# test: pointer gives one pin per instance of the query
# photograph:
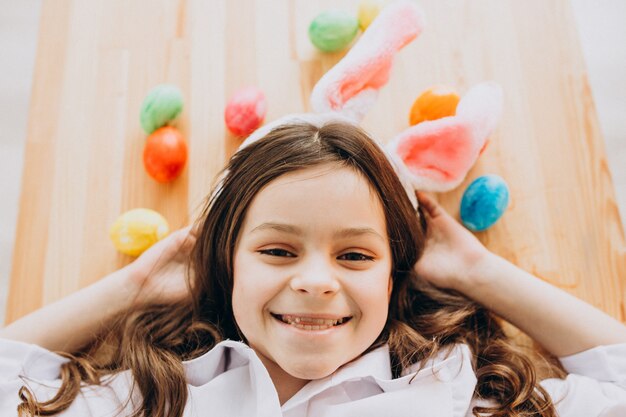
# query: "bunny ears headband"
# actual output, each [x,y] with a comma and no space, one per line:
[430,156]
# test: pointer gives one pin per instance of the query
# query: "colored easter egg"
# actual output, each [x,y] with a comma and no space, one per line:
[136,230]
[245,111]
[434,103]
[165,154]
[368,10]
[484,202]
[333,30]
[162,104]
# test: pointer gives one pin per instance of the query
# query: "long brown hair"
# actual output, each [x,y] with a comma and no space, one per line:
[151,341]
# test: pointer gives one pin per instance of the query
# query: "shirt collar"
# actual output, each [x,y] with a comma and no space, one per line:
[374,364]
[375,368]
[450,366]
[223,357]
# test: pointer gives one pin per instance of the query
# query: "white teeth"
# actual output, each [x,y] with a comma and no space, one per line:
[311,323]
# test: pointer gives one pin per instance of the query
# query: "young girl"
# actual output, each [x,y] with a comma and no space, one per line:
[316,284]
[315,289]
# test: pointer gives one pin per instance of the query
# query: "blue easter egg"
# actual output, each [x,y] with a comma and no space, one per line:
[484,202]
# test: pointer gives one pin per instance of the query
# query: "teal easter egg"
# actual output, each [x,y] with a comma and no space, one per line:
[333,30]
[484,202]
[162,104]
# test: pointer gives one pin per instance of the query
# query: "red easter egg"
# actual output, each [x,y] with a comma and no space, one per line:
[245,111]
[165,154]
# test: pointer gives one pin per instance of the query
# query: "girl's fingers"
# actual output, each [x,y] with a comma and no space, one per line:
[182,239]
[195,229]
[184,231]
[429,204]
[187,232]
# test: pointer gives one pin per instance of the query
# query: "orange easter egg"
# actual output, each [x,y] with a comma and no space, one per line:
[165,154]
[434,103]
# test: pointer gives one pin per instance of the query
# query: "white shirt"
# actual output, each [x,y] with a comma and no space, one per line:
[230,380]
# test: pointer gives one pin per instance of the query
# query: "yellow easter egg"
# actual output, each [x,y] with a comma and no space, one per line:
[138,229]
[368,10]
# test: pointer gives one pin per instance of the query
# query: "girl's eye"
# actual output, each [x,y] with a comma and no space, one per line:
[356,256]
[276,252]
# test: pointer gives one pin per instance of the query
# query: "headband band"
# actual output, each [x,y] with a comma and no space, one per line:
[320,119]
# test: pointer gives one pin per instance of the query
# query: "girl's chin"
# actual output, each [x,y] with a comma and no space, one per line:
[306,367]
[308,372]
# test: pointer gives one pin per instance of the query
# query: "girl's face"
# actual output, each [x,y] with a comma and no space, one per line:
[312,272]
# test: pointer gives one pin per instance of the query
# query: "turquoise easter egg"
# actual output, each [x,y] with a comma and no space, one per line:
[484,202]
[333,30]
[162,104]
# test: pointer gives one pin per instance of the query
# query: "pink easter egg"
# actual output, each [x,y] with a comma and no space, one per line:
[245,111]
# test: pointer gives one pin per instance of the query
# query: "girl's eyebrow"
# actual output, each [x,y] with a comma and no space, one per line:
[295,230]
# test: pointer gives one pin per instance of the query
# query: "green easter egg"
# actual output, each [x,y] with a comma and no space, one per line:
[162,104]
[333,30]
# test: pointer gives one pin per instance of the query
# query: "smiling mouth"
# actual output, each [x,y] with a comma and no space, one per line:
[310,323]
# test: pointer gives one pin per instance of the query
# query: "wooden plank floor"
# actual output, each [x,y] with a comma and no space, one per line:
[96,61]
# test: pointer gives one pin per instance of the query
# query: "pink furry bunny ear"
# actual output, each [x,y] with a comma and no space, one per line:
[351,87]
[437,155]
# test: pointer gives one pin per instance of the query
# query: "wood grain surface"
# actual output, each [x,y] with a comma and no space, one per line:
[97,59]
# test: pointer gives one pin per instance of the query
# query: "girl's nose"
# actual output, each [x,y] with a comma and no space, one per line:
[316,277]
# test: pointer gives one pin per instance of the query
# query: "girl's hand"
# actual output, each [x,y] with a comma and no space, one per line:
[451,250]
[68,324]
[563,324]
[159,274]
